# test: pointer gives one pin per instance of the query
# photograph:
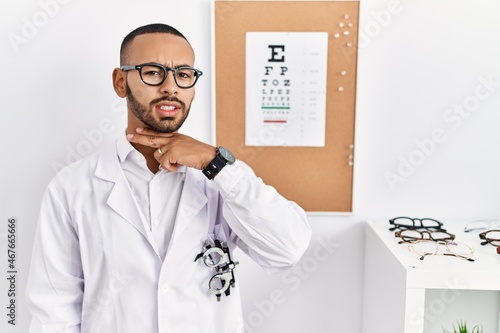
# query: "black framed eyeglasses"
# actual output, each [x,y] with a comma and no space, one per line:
[154,74]
[404,222]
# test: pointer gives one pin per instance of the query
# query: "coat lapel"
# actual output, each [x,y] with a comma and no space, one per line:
[121,199]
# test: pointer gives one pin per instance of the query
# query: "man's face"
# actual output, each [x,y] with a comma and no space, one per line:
[162,108]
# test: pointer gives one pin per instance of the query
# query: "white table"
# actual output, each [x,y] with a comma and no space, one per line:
[396,280]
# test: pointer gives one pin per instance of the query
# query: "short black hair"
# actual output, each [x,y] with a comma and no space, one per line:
[146,29]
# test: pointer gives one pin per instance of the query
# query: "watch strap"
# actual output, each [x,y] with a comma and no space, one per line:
[214,167]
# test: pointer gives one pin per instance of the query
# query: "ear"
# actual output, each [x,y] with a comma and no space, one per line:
[120,82]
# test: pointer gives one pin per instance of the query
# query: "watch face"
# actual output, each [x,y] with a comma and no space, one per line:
[226,154]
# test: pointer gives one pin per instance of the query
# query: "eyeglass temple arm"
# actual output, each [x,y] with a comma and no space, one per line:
[127,68]
[459,256]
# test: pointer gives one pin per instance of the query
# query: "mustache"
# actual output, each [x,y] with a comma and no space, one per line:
[167,99]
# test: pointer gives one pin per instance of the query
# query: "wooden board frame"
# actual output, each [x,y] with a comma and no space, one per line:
[318,178]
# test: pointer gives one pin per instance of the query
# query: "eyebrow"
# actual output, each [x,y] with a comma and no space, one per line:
[176,66]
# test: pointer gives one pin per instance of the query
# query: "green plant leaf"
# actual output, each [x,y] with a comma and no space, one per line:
[462,328]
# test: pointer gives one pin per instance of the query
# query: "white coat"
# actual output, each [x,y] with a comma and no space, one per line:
[95,270]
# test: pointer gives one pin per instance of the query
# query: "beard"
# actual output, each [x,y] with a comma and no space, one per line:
[146,115]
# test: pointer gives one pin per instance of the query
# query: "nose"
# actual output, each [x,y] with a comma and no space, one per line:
[169,86]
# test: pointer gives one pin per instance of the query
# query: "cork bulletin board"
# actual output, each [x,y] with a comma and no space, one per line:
[318,178]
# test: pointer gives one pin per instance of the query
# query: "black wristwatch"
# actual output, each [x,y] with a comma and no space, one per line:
[222,157]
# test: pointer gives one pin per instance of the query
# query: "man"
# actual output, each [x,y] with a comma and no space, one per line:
[138,238]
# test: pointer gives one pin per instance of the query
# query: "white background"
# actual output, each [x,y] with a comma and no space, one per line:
[417,60]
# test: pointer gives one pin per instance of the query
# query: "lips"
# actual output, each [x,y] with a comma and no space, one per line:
[168,109]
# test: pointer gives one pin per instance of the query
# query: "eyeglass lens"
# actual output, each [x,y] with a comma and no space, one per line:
[213,259]
[220,282]
[459,249]
[185,77]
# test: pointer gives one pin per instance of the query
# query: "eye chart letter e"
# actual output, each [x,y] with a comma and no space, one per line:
[286,88]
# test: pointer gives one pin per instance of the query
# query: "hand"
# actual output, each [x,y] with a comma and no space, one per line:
[174,149]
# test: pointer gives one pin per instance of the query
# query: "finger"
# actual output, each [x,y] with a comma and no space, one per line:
[165,164]
[171,167]
[158,154]
[164,161]
[151,140]
[147,140]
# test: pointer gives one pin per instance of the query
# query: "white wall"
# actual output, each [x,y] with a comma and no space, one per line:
[427,139]
[422,70]
[417,60]
[418,64]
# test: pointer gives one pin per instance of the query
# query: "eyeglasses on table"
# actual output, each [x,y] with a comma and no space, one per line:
[404,222]
[482,225]
[425,248]
[413,235]
[490,237]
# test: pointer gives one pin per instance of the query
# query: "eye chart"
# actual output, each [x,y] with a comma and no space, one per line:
[286,88]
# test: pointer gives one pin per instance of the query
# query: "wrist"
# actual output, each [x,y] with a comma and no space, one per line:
[222,158]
